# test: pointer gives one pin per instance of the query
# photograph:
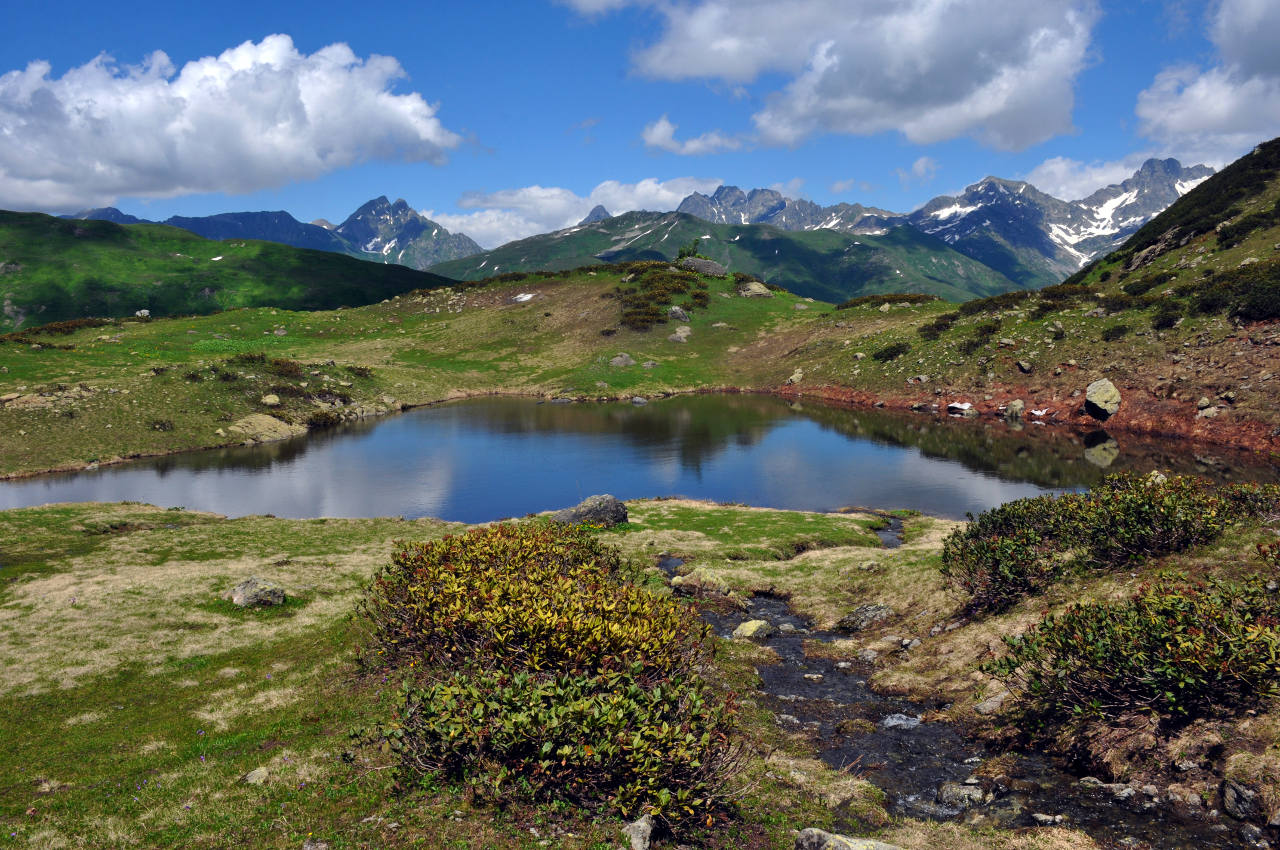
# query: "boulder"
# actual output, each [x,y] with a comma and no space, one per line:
[754,289]
[262,427]
[682,334]
[1101,399]
[701,266]
[257,776]
[754,630]
[1024,367]
[960,796]
[254,592]
[1238,801]
[863,617]
[602,510]
[817,839]
[1013,410]
[623,359]
[271,400]
[677,314]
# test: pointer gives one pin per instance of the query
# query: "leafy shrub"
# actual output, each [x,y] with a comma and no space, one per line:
[1270,554]
[1233,234]
[887,298]
[1021,547]
[1176,647]
[1114,333]
[1166,317]
[939,326]
[891,351]
[1002,301]
[540,670]
[986,330]
[972,344]
[1065,293]
[1214,300]
[360,371]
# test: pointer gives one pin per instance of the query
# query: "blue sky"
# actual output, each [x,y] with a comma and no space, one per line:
[503,119]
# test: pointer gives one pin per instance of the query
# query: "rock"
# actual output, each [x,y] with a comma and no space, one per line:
[677,314]
[1101,451]
[796,377]
[310,844]
[754,630]
[255,592]
[754,289]
[682,334]
[959,796]
[648,364]
[1006,342]
[992,704]
[146,314]
[701,266]
[271,400]
[638,832]
[899,721]
[1209,413]
[257,776]
[863,617]
[639,400]
[1013,410]
[817,839]
[1101,399]
[262,427]
[799,306]
[602,510]
[1024,367]
[8,397]
[1203,403]
[1238,801]
[623,359]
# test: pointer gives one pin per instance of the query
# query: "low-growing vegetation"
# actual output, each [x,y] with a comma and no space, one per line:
[534,668]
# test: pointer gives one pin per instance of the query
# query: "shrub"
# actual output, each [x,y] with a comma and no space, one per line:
[540,670]
[891,352]
[1166,317]
[1065,293]
[939,326]
[1021,547]
[1176,647]
[1114,333]
[1002,301]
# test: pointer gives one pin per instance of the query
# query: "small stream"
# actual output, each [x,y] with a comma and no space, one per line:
[934,770]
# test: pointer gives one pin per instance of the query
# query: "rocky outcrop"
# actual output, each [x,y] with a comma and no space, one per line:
[262,428]
[1101,399]
[863,617]
[817,839]
[603,510]
[754,289]
[701,266]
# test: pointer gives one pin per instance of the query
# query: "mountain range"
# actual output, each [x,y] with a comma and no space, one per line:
[380,231]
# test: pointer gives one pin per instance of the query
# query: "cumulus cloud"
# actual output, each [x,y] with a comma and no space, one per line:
[1217,113]
[1072,179]
[510,214]
[921,171]
[661,134]
[256,116]
[1000,71]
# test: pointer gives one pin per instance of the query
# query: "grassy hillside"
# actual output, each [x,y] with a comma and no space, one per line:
[53,269]
[822,264]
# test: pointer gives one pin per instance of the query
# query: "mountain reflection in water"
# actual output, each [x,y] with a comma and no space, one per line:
[489,458]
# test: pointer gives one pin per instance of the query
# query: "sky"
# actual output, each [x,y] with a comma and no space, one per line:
[506,119]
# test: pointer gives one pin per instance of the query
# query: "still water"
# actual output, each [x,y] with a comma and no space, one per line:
[487,459]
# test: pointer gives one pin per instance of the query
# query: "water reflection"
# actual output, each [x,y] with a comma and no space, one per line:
[489,458]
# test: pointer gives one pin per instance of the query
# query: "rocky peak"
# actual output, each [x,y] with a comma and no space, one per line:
[598,213]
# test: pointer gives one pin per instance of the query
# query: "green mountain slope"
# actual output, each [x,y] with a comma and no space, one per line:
[53,269]
[823,264]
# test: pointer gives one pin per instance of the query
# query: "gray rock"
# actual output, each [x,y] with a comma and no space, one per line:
[271,400]
[1101,399]
[649,364]
[623,359]
[1203,403]
[754,289]
[817,839]
[1013,410]
[677,313]
[701,266]
[257,776]
[899,721]
[1238,801]
[682,334]
[253,591]
[602,510]
[863,617]
[992,704]
[639,400]
[959,796]
[1024,367]
[638,832]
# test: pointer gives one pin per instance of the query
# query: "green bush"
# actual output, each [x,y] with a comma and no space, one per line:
[1178,648]
[534,667]
[1166,317]
[1021,547]
[1114,332]
[891,351]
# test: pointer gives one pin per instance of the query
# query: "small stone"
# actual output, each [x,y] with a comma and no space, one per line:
[255,592]
[623,359]
[754,630]
[799,306]
[257,776]
[991,704]
[1203,403]
[638,832]
[1024,367]
[1013,410]
[960,796]
[271,400]
[817,839]
[639,400]
[677,314]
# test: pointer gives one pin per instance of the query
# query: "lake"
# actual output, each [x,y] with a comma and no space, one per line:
[486,459]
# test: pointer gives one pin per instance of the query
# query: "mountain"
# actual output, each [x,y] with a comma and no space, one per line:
[52,269]
[598,213]
[819,263]
[399,234]
[1027,235]
[379,231]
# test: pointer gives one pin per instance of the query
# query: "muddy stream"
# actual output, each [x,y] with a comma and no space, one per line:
[933,770]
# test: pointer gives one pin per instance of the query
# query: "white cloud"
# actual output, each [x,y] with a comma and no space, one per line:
[793,188]
[1071,179]
[661,134]
[1215,114]
[256,116]
[922,170]
[510,214]
[839,187]
[1001,71]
